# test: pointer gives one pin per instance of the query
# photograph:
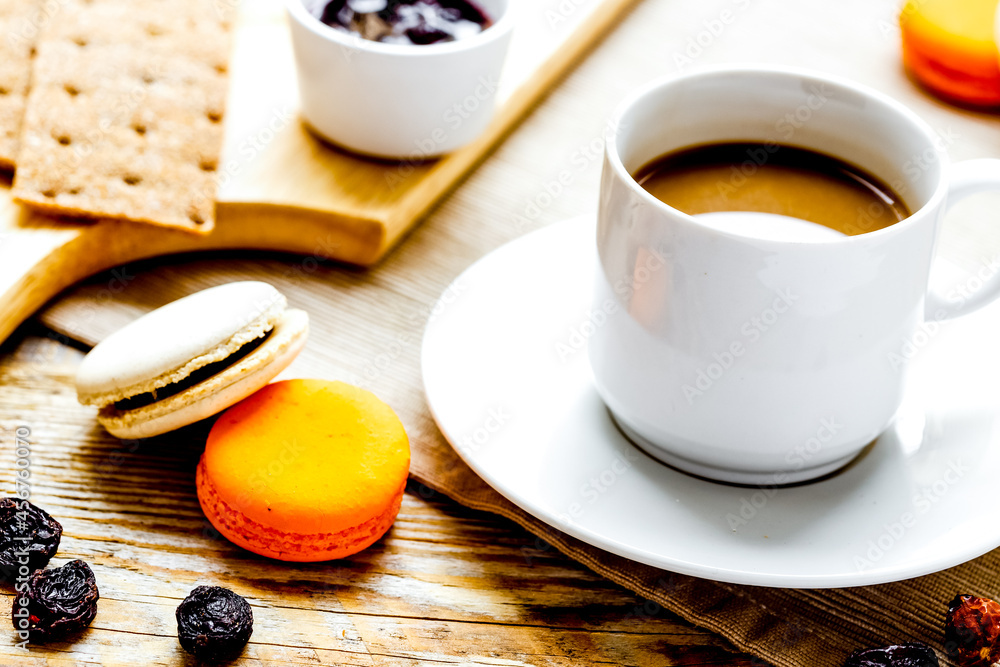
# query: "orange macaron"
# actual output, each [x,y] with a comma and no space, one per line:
[305,470]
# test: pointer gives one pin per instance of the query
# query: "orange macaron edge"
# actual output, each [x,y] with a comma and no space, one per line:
[305,471]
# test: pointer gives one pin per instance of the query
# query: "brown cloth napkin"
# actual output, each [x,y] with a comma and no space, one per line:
[783,627]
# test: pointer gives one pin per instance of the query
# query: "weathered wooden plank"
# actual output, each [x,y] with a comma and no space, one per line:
[447,586]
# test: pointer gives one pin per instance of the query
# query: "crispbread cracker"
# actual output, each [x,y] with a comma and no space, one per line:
[124,118]
[19,24]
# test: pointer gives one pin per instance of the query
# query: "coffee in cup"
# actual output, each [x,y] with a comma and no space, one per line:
[775,179]
[743,346]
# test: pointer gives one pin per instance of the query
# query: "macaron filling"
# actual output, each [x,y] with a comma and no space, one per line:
[196,377]
[191,359]
[167,345]
[220,390]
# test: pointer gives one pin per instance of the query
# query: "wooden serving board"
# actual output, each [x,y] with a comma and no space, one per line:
[281,187]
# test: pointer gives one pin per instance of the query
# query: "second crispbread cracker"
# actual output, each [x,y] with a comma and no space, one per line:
[124,119]
[20,21]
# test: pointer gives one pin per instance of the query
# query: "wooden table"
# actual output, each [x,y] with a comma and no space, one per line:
[448,585]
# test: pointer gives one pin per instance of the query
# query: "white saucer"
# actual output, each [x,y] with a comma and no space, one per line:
[508,380]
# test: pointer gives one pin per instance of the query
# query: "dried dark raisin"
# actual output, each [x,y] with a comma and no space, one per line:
[29,537]
[972,630]
[57,602]
[214,623]
[904,655]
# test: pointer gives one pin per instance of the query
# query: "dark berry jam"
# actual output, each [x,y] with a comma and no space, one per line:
[406,21]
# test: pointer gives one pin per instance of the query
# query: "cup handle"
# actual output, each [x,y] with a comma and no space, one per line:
[968,178]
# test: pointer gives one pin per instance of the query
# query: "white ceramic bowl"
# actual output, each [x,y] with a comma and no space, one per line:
[398,101]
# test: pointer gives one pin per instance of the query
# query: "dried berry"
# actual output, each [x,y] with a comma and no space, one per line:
[971,631]
[904,655]
[214,623]
[29,537]
[57,602]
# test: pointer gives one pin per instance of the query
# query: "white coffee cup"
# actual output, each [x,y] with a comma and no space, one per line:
[766,360]
[398,101]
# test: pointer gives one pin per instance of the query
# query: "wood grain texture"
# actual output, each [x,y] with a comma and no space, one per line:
[280,188]
[446,586]
[368,324]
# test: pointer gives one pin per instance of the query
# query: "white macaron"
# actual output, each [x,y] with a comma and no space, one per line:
[191,359]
